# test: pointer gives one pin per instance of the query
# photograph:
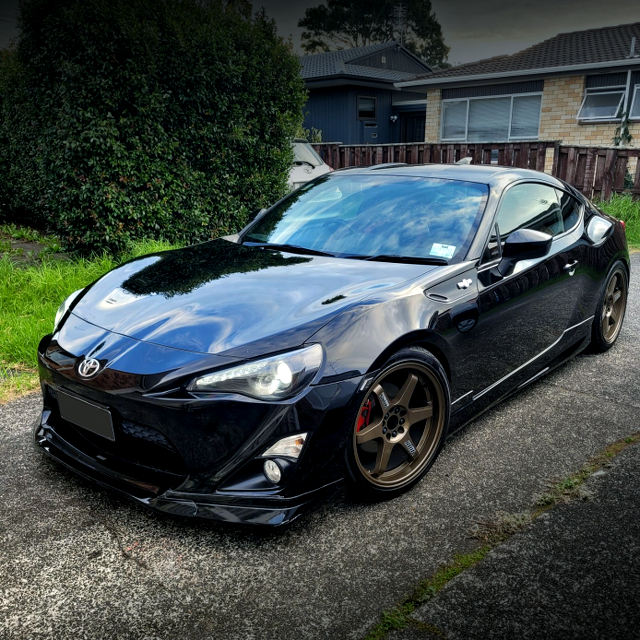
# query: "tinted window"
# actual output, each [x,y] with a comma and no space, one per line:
[530,206]
[570,208]
[368,215]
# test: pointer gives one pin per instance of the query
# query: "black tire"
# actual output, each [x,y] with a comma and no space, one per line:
[611,304]
[400,441]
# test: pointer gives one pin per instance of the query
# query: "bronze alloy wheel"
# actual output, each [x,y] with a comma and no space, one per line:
[614,305]
[399,425]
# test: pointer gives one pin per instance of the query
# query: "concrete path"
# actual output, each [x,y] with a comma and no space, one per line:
[574,574]
[77,561]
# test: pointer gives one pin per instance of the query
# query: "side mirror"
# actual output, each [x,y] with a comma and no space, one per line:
[523,244]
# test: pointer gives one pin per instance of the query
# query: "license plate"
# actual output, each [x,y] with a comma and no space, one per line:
[86,415]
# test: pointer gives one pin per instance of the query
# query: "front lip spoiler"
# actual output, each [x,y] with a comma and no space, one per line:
[234,509]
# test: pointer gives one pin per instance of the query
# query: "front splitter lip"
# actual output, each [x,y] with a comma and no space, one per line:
[228,508]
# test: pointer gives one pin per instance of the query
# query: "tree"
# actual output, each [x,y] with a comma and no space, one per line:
[344,24]
[126,119]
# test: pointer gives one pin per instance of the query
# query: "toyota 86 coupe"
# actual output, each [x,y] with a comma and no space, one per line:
[344,334]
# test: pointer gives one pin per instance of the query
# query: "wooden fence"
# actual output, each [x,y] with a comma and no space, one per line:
[598,172]
[595,171]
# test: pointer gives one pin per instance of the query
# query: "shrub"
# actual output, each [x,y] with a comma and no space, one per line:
[128,119]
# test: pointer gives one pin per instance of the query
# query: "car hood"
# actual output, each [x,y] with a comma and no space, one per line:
[228,299]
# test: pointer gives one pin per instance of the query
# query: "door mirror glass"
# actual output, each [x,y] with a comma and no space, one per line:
[523,244]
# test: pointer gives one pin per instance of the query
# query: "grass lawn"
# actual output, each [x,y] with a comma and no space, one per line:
[33,283]
[35,279]
[625,208]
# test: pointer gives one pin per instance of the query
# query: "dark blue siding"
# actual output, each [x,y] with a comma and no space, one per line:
[493,89]
[396,60]
[334,112]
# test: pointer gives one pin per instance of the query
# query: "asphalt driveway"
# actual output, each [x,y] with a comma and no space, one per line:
[77,561]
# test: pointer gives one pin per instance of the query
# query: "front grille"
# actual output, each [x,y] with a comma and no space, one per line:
[145,433]
[134,443]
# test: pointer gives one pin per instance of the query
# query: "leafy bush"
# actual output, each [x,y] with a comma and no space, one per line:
[128,119]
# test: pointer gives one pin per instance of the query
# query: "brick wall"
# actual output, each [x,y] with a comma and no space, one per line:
[561,101]
[432,124]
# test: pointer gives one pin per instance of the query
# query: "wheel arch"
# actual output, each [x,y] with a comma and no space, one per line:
[426,339]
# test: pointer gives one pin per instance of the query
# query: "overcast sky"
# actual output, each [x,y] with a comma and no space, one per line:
[474,29]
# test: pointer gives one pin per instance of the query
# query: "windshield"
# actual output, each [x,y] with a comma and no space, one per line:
[304,152]
[369,215]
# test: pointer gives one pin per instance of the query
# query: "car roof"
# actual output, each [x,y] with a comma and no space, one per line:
[492,175]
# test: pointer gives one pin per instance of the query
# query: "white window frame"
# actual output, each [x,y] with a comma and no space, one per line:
[636,97]
[621,89]
[466,126]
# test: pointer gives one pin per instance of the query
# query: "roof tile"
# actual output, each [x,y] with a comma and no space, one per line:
[607,44]
[332,63]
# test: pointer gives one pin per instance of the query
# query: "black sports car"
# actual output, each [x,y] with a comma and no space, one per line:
[344,333]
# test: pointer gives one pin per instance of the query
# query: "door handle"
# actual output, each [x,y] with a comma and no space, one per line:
[571,267]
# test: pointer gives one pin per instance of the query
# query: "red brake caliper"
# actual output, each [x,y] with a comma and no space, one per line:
[365,415]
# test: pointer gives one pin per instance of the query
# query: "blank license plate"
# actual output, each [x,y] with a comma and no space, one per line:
[86,415]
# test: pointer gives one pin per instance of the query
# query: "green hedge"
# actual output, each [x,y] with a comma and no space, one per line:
[128,119]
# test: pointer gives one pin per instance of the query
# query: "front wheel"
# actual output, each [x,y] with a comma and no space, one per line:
[610,310]
[399,427]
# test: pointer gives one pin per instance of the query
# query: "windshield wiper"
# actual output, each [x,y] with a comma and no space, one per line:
[408,259]
[291,248]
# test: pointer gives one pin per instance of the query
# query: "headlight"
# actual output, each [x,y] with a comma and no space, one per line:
[64,307]
[274,378]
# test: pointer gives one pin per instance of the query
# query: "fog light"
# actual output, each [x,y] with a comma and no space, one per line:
[290,446]
[272,471]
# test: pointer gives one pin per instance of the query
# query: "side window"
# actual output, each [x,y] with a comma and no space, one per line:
[570,208]
[530,206]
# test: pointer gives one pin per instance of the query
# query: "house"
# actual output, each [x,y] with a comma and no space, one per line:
[575,88]
[353,97]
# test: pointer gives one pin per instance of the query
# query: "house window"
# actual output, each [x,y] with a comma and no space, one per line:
[634,112]
[492,119]
[454,119]
[603,104]
[366,108]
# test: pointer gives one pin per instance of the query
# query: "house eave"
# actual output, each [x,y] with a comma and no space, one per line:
[342,80]
[546,71]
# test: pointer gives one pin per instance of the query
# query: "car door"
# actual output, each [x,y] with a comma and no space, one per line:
[522,314]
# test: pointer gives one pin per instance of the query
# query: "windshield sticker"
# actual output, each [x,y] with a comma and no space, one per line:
[442,250]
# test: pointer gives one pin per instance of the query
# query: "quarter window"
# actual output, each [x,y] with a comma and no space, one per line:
[366,108]
[570,209]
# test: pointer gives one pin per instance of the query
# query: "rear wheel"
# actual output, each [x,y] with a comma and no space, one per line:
[400,425]
[610,310]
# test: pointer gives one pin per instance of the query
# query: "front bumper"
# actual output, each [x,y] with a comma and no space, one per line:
[189,457]
[247,509]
